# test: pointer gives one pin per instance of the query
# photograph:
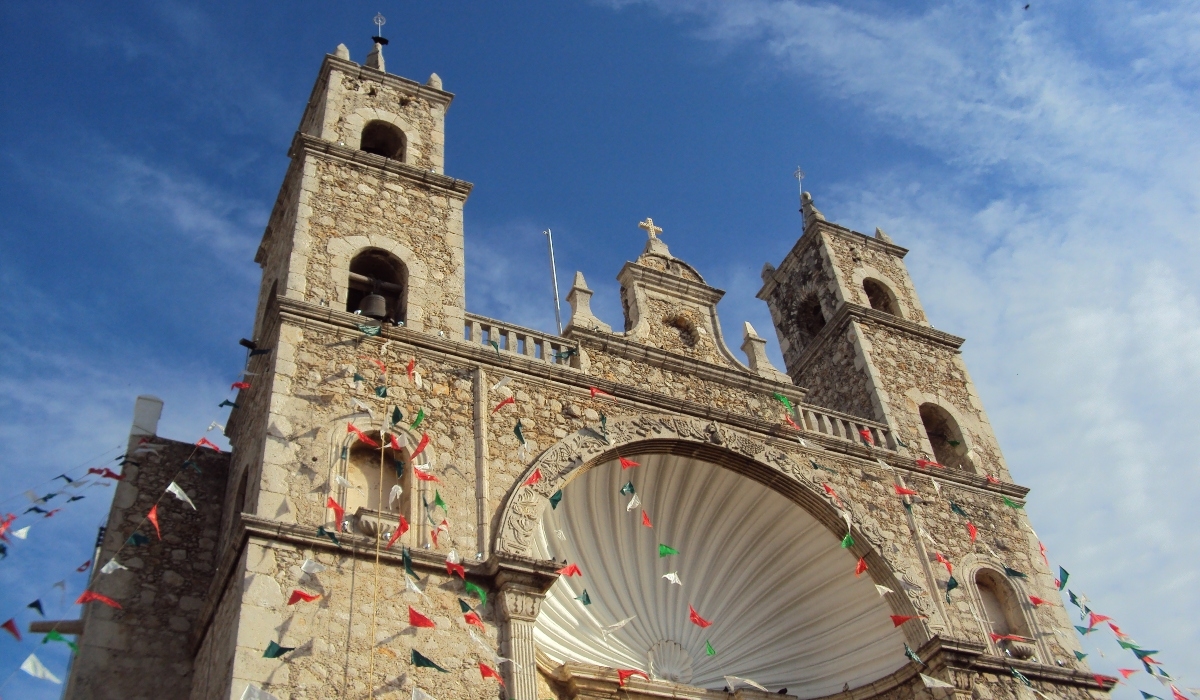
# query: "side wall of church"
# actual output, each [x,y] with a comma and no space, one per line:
[836,378]
[214,658]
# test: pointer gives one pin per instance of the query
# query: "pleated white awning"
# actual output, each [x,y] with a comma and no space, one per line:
[785,607]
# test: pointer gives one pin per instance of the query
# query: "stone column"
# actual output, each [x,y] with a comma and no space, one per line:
[519,607]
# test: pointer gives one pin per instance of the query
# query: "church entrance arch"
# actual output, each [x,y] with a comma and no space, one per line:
[760,556]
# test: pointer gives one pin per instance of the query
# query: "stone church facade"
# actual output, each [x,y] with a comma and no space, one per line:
[785,499]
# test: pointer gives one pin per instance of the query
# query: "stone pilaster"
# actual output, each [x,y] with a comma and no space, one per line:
[519,607]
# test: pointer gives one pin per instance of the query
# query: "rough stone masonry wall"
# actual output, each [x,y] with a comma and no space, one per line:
[352,96]
[142,651]
[857,257]
[213,665]
[836,377]
[801,274]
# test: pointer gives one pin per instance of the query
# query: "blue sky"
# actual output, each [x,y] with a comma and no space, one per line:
[1040,164]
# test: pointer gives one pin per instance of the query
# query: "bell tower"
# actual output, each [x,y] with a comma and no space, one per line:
[366,221]
[854,334]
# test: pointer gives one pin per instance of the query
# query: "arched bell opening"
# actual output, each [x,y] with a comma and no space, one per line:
[378,286]
[758,557]
[945,438]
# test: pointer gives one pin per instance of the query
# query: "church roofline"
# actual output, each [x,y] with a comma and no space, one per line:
[406,85]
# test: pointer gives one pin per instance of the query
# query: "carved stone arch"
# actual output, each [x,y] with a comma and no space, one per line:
[342,251]
[703,440]
[965,425]
[358,119]
[970,568]
[866,272]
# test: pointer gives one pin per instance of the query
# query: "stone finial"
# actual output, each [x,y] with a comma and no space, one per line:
[756,355]
[809,210]
[580,299]
[375,58]
[882,235]
[435,81]
[768,271]
[342,52]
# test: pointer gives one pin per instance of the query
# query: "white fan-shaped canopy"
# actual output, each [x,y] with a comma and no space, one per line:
[780,592]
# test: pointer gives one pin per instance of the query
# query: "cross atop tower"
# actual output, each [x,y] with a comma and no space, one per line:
[649,227]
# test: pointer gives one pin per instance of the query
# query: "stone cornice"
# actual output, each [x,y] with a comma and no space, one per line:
[633,273]
[409,87]
[853,312]
[811,237]
[452,187]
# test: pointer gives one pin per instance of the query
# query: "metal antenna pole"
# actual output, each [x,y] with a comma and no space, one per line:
[554,278]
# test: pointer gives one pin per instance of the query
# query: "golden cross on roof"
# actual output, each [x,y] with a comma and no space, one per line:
[649,227]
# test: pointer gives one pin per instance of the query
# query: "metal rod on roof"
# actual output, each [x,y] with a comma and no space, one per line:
[554,278]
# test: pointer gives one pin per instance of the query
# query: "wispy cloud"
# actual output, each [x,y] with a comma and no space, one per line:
[1051,215]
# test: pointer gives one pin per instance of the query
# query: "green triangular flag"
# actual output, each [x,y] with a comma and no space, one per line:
[1074,600]
[847,541]
[370,330]
[627,489]
[821,466]
[438,502]
[1128,645]
[358,377]
[604,425]
[1147,696]
[472,588]
[1080,655]
[900,442]
[274,651]
[1062,578]
[420,417]
[708,650]
[950,585]
[345,453]
[555,499]
[585,598]
[54,636]
[958,509]
[406,556]
[322,532]
[397,416]
[785,401]
[518,433]
[1143,653]
[1011,503]
[381,392]
[464,606]
[137,539]
[37,605]
[912,655]
[496,346]
[227,402]
[953,443]
[665,551]
[1085,630]
[1021,677]
[421,661]
[1013,573]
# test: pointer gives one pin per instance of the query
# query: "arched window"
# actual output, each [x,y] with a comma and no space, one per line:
[371,480]
[375,271]
[383,139]
[807,318]
[880,296]
[945,437]
[1002,613]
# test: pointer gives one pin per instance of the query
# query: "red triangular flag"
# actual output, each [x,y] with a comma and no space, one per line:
[791,422]
[860,567]
[361,437]
[627,463]
[866,435]
[412,364]
[992,480]
[1176,694]
[416,619]
[973,530]
[152,516]
[901,491]
[423,475]
[1042,547]
[400,530]
[203,442]
[623,674]
[535,477]
[829,490]
[339,513]
[1096,618]
[898,620]
[452,568]
[443,526]
[395,443]
[1037,601]
[570,570]
[695,617]
[299,595]
[89,596]
[239,385]
[420,446]
[944,562]
[473,619]
[487,672]
[1127,672]
[84,566]
[11,628]
[595,391]
[504,403]
[646,519]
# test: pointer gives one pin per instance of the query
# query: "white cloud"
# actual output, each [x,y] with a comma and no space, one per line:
[1056,231]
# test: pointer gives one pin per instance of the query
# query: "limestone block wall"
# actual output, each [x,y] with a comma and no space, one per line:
[856,257]
[213,675]
[143,651]
[836,374]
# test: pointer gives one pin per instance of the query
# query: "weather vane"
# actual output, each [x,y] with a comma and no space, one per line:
[799,175]
[379,21]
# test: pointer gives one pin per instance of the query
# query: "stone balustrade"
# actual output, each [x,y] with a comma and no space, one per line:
[525,342]
[845,427]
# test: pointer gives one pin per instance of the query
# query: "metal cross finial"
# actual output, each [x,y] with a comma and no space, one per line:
[799,175]
[649,227]
[379,21]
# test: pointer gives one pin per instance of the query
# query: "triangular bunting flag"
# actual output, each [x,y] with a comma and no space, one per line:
[416,619]
[696,619]
[646,519]
[421,661]
[11,627]
[152,516]
[37,605]
[627,463]
[34,667]
[666,551]
[584,598]
[673,577]
[488,672]
[174,489]
[555,499]
[708,649]
[472,588]
[274,651]
[299,595]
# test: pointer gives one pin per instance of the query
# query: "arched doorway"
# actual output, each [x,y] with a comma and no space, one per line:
[780,591]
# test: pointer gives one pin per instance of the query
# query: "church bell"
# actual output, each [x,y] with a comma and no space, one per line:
[373,305]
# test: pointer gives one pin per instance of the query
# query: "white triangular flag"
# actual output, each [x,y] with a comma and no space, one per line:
[22,533]
[311,567]
[883,590]
[732,681]
[610,629]
[342,481]
[673,578]
[112,566]
[934,682]
[419,694]
[33,497]
[417,380]
[633,503]
[394,495]
[453,556]
[61,585]
[501,384]
[213,426]
[410,586]
[559,534]
[35,668]
[177,492]
[252,693]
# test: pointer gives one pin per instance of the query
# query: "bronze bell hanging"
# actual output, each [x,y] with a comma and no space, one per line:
[373,305]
